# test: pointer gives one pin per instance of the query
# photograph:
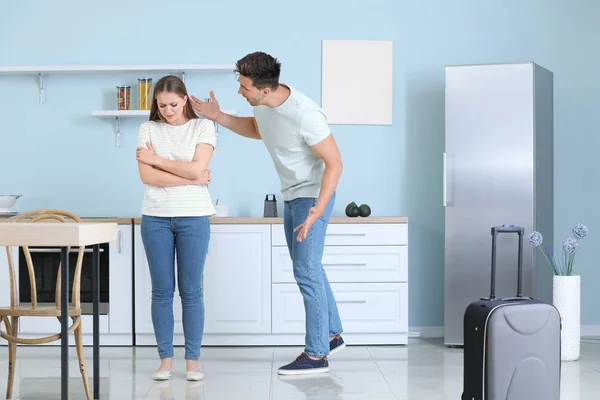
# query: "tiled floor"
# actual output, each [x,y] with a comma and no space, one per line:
[425,370]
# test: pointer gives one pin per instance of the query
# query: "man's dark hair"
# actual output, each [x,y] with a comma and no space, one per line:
[261,67]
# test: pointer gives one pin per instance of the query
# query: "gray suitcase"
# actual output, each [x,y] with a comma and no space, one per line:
[511,344]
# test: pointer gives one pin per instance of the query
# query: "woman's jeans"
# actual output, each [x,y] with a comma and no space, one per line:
[186,237]
[322,318]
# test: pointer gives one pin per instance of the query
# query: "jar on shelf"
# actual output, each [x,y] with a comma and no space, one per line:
[144,93]
[123,97]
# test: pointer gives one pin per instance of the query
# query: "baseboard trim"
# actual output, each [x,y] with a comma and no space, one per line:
[437,332]
[360,339]
[426,332]
[590,331]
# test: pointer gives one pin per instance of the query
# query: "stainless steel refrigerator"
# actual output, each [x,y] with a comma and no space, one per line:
[498,169]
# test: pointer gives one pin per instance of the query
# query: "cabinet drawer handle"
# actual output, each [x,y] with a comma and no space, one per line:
[352,301]
[346,234]
[342,264]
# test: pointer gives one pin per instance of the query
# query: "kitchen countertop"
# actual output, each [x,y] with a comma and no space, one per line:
[248,220]
[117,220]
[120,221]
[332,220]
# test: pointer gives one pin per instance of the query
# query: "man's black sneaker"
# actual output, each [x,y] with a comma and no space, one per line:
[336,344]
[305,365]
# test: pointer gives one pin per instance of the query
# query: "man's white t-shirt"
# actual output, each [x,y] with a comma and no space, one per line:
[177,143]
[288,131]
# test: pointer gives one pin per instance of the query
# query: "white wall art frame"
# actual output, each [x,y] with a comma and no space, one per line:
[357,82]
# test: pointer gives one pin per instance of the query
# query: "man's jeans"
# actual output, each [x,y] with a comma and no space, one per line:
[161,237]
[322,318]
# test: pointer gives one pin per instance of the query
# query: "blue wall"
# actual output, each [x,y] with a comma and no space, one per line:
[58,155]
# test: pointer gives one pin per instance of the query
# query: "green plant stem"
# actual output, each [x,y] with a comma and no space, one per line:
[558,260]
[563,261]
[571,259]
[551,264]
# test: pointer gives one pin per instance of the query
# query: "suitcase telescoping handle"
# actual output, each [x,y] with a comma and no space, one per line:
[507,229]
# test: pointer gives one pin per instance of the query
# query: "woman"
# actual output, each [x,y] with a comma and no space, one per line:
[174,150]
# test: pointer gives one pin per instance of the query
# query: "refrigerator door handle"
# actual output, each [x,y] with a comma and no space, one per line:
[445,183]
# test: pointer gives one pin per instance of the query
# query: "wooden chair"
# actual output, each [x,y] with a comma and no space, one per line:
[10,315]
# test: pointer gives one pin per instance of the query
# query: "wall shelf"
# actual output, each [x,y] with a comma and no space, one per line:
[134,113]
[42,71]
[34,70]
[121,114]
[118,114]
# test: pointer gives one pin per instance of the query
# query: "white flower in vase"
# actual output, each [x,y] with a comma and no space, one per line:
[561,262]
[566,288]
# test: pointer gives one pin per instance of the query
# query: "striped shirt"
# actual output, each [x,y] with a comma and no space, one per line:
[177,143]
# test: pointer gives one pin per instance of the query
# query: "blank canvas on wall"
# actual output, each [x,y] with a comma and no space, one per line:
[357,81]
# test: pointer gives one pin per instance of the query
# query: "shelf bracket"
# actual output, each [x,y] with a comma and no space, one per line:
[208,100]
[42,88]
[183,75]
[117,133]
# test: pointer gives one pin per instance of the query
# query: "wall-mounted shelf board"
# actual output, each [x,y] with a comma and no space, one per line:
[42,71]
[134,113]
[119,114]
[26,70]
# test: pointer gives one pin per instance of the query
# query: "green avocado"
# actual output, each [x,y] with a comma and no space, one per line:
[364,210]
[352,210]
[349,206]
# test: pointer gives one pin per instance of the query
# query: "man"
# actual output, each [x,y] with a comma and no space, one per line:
[295,131]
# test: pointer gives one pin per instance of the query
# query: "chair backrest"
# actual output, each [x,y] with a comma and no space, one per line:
[33,217]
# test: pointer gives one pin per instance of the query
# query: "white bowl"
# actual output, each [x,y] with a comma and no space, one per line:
[8,200]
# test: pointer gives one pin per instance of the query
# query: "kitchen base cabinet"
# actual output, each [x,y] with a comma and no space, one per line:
[367,268]
[251,297]
[363,308]
[236,285]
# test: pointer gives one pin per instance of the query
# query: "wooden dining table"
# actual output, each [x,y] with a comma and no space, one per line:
[65,235]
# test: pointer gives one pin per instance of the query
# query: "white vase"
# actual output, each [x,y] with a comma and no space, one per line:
[566,298]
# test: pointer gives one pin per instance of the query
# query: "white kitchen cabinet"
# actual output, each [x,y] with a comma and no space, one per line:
[121,285]
[236,284]
[250,294]
[363,308]
[345,264]
[237,280]
[367,268]
[355,234]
